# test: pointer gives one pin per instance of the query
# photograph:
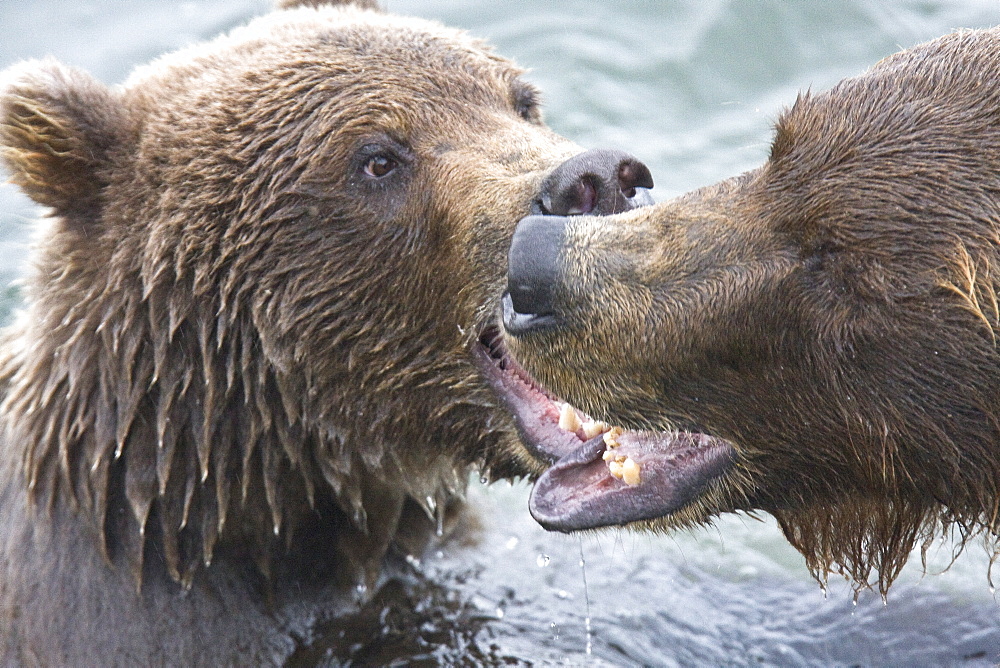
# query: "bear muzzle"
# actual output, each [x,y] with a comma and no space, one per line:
[596,182]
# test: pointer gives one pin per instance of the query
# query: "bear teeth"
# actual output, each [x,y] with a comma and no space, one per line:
[572,421]
[611,436]
[568,418]
[592,428]
[630,472]
[624,468]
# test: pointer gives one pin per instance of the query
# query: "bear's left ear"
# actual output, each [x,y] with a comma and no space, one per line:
[58,127]
[363,4]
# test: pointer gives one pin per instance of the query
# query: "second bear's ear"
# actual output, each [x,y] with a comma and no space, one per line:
[58,127]
[363,4]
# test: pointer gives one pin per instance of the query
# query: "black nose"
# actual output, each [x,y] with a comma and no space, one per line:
[597,182]
[532,273]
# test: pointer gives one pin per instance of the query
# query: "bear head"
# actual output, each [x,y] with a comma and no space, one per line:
[816,338]
[258,304]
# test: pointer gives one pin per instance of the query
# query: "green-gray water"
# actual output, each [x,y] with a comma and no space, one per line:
[691,88]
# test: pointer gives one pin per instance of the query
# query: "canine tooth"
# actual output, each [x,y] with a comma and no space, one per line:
[592,428]
[616,469]
[630,472]
[568,419]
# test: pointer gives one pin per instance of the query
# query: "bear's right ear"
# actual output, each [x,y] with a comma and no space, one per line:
[58,127]
[363,4]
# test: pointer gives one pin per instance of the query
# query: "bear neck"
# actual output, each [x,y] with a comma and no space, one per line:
[175,437]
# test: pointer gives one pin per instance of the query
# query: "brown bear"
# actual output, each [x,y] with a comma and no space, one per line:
[249,376]
[815,338]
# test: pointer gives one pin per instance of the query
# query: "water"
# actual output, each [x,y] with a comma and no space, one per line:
[586,600]
[691,88]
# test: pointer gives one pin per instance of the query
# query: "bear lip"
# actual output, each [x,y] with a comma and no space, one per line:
[579,491]
[534,410]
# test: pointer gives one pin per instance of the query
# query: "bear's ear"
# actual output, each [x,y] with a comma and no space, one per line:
[363,4]
[58,127]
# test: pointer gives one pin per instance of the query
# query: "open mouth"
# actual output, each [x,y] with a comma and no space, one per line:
[600,475]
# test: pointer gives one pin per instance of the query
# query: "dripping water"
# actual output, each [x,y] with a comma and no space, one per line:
[586,598]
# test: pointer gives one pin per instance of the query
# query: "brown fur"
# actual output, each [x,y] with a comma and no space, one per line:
[243,369]
[833,314]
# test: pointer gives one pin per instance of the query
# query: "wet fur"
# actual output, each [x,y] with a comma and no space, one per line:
[241,385]
[833,314]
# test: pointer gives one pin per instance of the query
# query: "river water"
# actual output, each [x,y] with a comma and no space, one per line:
[692,88]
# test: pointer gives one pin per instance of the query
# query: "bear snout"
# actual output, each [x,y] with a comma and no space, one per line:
[597,182]
[533,272]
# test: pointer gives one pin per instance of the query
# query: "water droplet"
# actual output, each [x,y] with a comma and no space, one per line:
[512,542]
[499,613]
[484,480]
[563,594]
[542,560]
[440,520]
[413,561]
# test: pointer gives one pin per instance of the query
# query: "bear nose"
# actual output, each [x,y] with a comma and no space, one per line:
[532,273]
[598,182]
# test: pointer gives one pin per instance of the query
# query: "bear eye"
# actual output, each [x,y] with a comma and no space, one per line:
[379,166]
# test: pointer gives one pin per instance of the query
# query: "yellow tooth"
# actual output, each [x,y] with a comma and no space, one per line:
[630,472]
[592,428]
[611,436]
[616,469]
[568,419]
[608,455]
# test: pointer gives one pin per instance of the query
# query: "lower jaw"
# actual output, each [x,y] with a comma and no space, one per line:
[600,475]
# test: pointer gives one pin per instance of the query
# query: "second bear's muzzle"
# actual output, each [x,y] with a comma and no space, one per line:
[596,182]
[533,270]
